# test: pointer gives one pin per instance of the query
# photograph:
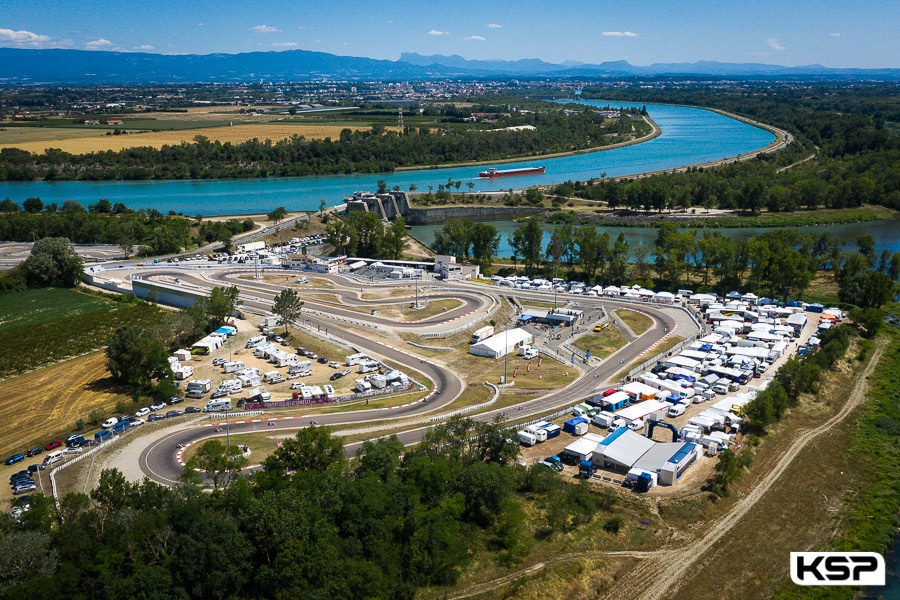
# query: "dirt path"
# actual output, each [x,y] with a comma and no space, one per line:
[669,564]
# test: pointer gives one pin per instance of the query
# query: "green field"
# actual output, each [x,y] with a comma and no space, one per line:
[40,327]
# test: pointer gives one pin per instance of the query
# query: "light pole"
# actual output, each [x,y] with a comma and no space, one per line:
[227,432]
[506,356]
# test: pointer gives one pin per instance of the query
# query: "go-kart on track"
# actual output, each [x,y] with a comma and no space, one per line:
[158,460]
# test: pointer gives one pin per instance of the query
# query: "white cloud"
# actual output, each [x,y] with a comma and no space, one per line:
[494,26]
[774,45]
[836,34]
[474,38]
[619,34]
[285,44]
[436,32]
[145,47]
[23,38]
[265,29]
[101,43]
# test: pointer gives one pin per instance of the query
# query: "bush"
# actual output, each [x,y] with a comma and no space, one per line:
[613,525]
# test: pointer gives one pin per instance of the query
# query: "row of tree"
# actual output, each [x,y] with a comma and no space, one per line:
[372,151]
[309,525]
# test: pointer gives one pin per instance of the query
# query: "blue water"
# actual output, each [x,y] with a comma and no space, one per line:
[886,233]
[689,136]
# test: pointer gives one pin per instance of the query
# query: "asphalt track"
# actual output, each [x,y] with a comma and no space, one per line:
[158,460]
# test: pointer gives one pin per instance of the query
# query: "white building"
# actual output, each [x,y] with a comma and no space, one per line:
[502,343]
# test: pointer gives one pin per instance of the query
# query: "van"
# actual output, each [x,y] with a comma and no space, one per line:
[109,422]
[676,410]
[720,388]
[584,410]
[54,457]
[527,439]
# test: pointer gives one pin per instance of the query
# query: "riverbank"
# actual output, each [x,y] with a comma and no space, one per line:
[655,131]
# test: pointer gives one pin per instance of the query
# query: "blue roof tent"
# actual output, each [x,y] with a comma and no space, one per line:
[815,307]
[525,318]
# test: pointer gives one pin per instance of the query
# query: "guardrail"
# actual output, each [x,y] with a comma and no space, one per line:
[71,461]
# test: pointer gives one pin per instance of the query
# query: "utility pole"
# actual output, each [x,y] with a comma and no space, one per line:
[506,356]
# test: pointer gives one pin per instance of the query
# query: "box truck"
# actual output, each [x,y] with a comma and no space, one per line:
[482,334]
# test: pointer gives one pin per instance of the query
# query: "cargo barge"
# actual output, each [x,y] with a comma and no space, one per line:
[492,172]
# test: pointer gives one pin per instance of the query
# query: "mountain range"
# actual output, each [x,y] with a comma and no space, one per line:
[80,67]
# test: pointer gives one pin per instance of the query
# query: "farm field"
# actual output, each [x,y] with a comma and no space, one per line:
[44,326]
[85,140]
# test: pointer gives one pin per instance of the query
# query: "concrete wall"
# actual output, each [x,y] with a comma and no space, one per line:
[165,294]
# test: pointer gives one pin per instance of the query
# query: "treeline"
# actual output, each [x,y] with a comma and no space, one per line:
[106,223]
[372,151]
[779,263]
[850,128]
[309,525]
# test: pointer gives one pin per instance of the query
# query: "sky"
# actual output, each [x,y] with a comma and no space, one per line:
[836,33]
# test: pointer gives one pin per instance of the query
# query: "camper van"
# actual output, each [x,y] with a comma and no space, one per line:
[584,410]
[218,405]
[539,434]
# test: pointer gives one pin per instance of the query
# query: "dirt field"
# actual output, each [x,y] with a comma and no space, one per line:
[75,142]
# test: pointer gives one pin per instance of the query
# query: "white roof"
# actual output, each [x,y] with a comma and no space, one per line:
[585,444]
[637,388]
[669,295]
[505,339]
[642,409]
[627,448]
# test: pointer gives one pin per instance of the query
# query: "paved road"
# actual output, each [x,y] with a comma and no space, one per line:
[158,460]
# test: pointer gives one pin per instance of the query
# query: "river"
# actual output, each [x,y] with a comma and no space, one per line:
[689,136]
[886,233]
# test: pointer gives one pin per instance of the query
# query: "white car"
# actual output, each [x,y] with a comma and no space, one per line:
[74,450]
[142,412]
[136,422]
[297,385]
[334,365]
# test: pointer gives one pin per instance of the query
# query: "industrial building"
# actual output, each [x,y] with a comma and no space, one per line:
[624,450]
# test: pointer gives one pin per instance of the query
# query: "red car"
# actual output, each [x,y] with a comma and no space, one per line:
[610,392]
[53,444]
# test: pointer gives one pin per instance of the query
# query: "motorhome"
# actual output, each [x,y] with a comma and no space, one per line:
[219,404]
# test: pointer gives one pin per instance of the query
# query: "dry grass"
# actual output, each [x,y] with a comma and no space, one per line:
[83,141]
[637,322]
[603,343]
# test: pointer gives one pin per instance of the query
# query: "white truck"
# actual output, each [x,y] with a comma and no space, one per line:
[250,246]
[482,334]
[218,405]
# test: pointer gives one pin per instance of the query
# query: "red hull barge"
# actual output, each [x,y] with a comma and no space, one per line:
[492,172]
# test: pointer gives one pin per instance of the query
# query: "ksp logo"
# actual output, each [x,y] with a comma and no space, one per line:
[837,568]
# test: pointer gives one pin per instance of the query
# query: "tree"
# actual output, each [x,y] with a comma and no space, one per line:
[136,359]
[222,465]
[526,242]
[313,450]
[33,205]
[341,236]
[288,306]
[454,238]
[369,234]
[394,241]
[9,206]
[221,305]
[53,263]
[277,216]
[485,243]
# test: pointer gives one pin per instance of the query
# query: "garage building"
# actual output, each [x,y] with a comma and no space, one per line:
[501,344]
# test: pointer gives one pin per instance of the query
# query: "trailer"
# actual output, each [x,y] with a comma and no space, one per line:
[527,439]
[539,434]
[482,333]
[219,404]
[250,247]
[552,429]
[353,359]
[576,426]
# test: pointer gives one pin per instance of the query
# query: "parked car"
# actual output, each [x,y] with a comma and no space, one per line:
[555,462]
[19,475]
[322,360]
[241,402]
[136,422]
[334,365]
[302,351]
[158,406]
[34,452]
[74,450]
[142,412]
[311,355]
[39,466]
[24,487]
[173,413]
[335,377]
[284,343]
[219,361]
[19,457]
[277,379]
[155,417]
[278,339]
[219,394]
[297,385]
[191,409]
[53,444]
[175,400]
[345,372]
